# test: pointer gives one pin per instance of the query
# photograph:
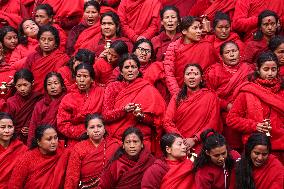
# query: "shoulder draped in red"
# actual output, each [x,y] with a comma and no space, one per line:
[183,5]
[227,7]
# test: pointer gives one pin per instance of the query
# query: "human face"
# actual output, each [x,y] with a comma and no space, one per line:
[41,17]
[170,21]
[231,54]
[218,155]
[47,42]
[259,155]
[192,78]
[54,87]
[30,28]
[11,40]
[91,15]
[222,29]
[24,87]
[130,70]
[48,142]
[280,53]
[268,70]
[112,57]
[83,80]
[7,130]
[108,27]
[193,32]
[132,145]
[143,52]
[177,150]
[268,26]
[96,130]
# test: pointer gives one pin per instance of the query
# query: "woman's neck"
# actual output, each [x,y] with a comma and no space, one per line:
[4,144]
[171,34]
[96,143]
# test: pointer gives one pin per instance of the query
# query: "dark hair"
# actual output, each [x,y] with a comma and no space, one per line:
[182,95]
[211,139]
[187,21]
[51,29]
[58,75]
[47,8]
[220,16]
[275,42]
[115,19]
[4,115]
[88,67]
[225,44]
[39,134]
[173,8]
[244,177]
[92,3]
[258,34]
[89,117]
[23,74]
[122,60]
[120,47]
[143,40]
[4,30]
[167,140]
[23,39]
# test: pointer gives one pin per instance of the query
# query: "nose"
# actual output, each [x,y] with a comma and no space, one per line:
[22,88]
[6,130]
[270,72]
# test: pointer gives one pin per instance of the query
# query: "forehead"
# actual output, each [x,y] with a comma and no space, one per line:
[129,63]
[178,140]
[269,64]
[6,122]
[132,137]
[83,71]
[195,23]
[10,33]
[95,121]
[260,148]
[145,45]
[169,13]
[192,69]
[223,22]
[41,12]
[22,81]
[28,23]
[53,78]
[49,132]
[268,19]
[107,19]
[218,150]
[90,7]
[47,34]
[229,46]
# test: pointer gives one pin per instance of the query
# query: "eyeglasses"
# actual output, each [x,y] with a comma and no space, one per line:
[142,50]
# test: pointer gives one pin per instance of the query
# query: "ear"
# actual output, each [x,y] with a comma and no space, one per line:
[183,32]
[207,153]
[168,150]
[142,145]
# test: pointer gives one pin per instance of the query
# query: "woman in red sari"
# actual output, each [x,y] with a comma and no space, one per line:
[28,31]
[224,78]
[135,25]
[47,56]
[10,148]
[187,49]
[258,168]
[90,157]
[125,104]
[89,27]
[276,45]
[43,165]
[214,164]
[128,164]
[194,109]
[173,170]
[9,40]
[86,98]
[259,105]
[182,5]
[45,110]
[22,104]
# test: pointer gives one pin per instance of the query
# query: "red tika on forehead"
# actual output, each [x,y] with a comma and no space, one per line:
[129,62]
[269,20]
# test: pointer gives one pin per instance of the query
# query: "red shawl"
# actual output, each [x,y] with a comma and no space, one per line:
[133,20]
[12,19]
[198,112]
[179,176]
[35,170]
[8,159]
[227,7]
[41,65]
[199,7]
[278,7]
[281,71]
[6,75]
[66,74]
[125,173]
[103,71]
[183,5]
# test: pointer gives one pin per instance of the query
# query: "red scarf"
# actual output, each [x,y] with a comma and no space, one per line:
[273,85]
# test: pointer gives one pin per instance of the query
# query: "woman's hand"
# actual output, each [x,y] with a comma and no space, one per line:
[104,53]
[25,131]
[263,127]
[138,111]
[229,106]
[129,107]
[189,142]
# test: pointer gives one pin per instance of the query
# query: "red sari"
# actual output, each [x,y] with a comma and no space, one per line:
[183,5]
[35,170]
[124,173]
[73,109]
[66,74]
[86,161]
[103,71]
[133,20]
[41,65]
[179,54]
[227,7]
[6,75]
[8,159]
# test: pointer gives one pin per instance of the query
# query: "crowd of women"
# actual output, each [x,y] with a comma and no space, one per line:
[142,93]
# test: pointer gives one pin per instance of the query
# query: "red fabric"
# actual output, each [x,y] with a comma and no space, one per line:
[198,112]
[41,65]
[6,75]
[253,104]
[62,36]
[245,16]
[179,54]
[66,74]
[73,109]
[179,176]
[133,20]
[124,173]
[183,5]
[8,159]
[86,161]
[161,43]
[12,19]
[44,112]
[278,7]
[281,71]
[73,35]
[35,170]
[118,94]
[21,108]
[103,71]
[199,7]
[227,7]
